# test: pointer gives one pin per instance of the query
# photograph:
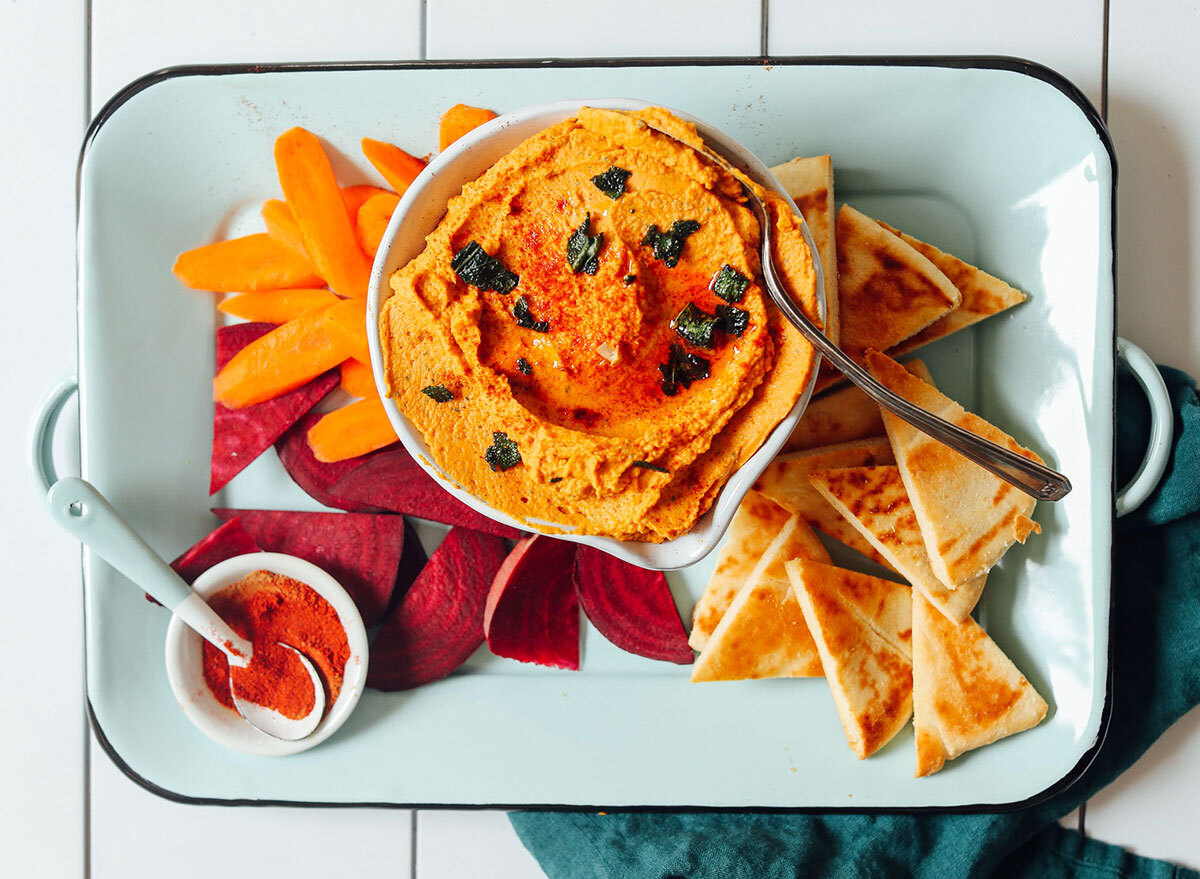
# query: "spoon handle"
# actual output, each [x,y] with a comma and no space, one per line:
[84,512]
[1031,477]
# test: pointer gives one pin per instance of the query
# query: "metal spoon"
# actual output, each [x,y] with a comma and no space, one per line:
[1029,476]
[79,508]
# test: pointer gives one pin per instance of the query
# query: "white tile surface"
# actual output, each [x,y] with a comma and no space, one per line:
[471,845]
[42,738]
[128,838]
[133,37]
[1066,35]
[1155,121]
[1152,809]
[534,29]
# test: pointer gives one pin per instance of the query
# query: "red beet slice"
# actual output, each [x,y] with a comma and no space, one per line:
[631,606]
[225,542]
[241,435]
[361,551]
[439,622]
[396,482]
[412,562]
[315,477]
[228,540]
[532,612]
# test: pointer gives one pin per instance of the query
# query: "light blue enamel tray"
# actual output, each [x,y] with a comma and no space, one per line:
[999,162]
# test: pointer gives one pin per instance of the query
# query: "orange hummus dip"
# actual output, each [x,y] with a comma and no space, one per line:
[584,343]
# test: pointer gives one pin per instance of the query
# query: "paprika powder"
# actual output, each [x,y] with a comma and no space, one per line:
[267,608]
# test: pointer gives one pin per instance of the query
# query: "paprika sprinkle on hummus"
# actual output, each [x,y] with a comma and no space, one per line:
[592,308]
[268,608]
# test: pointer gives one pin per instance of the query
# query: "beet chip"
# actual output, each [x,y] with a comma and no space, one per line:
[631,606]
[361,551]
[316,477]
[395,482]
[439,622]
[532,612]
[241,435]
[225,542]
[412,562]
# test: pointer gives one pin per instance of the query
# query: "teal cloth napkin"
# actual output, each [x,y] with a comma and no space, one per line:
[1156,679]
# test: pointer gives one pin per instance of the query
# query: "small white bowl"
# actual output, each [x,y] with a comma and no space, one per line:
[185,667]
[419,212]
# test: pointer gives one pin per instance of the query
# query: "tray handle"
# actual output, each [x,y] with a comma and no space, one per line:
[1162,427]
[41,437]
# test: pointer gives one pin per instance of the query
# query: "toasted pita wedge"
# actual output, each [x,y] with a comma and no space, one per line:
[785,481]
[968,517]
[887,289]
[874,501]
[753,527]
[982,295]
[809,181]
[862,627]
[843,416]
[763,633]
[966,692]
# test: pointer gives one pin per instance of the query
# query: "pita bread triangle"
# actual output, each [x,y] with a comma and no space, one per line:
[763,633]
[968,517]
[809,181]
[862,627]
[966,692]
[785,481]
[844,415]
[887,289]
[755,524]
[874,501]
[982,295]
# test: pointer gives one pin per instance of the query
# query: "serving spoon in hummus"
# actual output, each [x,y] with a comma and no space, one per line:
[1036,480]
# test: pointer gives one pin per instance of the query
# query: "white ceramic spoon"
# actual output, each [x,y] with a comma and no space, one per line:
[79,508]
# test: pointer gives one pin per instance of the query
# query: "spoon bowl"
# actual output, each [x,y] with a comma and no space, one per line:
[274,723]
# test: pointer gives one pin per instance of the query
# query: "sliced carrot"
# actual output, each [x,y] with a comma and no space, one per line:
[351,431]
[354,197]
[281,361]
[357,379]
[347,322]
[276,306]
[459,120]
[255,262]
[373,219]
[316,201]
[398,168]
[282,226]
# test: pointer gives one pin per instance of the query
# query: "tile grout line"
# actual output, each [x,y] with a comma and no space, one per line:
[1104,67]
[412,844]
[763,15]
[87,733]
[423,46]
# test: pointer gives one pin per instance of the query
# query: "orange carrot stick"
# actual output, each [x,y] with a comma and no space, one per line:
[398,168]
[347,323]
[357,195]
[373,219]
[276,306]
[459,120]
[280,361]
[281,225]
[254,262]
[357,379]
[351,431]
[316,201]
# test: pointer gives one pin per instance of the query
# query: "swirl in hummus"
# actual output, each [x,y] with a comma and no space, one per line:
[584,340]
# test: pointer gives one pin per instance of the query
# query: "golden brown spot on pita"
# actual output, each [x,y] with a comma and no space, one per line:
[1001,493]
[991,534]
[813,203]
[906,635]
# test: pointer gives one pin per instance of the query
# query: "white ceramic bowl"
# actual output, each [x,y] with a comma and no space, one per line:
[419,212]
[185,665]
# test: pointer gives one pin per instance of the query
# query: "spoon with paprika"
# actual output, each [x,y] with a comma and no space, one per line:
[79,508]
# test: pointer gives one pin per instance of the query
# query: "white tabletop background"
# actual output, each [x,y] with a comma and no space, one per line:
[65,809]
